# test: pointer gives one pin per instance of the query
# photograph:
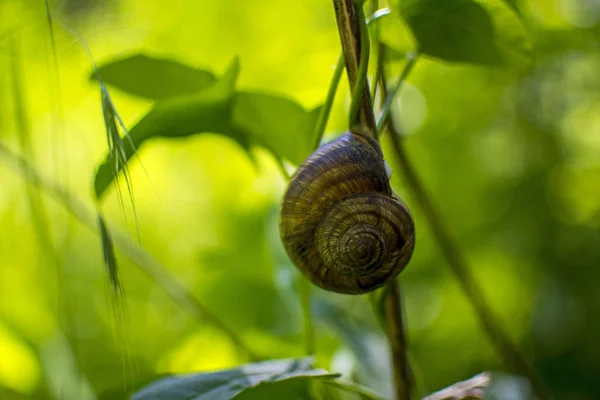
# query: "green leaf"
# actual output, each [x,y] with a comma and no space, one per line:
[486,32]
[395,33]
[277,123]
[227,384]
[274,122]
[206,111]
[154,78]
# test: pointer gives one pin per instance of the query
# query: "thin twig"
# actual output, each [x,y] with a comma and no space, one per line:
[326,110]
[504,345]
[389,97]
[404,379]
[148,264]
[349,30]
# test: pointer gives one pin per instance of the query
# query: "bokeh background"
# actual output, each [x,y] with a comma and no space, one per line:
[511,159]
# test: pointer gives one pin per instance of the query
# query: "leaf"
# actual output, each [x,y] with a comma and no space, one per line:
[396,34]
[278,123]
[471,389]
[154,78]
[124,392]
[486,32]
[206,111]
[227,384]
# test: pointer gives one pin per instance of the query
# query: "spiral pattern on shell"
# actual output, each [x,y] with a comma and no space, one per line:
[339,221]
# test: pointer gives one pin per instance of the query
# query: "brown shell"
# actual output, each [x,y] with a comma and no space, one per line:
[340,223]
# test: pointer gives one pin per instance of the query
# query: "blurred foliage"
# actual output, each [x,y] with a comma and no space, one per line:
[510,156]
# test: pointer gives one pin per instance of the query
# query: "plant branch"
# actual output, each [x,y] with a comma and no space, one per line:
[393,312]
[504,345]
[350,35]
[389,97]
[349,30]
[148,264]
[326,110]
[335,80]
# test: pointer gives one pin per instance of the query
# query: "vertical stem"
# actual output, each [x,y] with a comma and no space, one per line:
[392,308]
[392,303]
[349,30]
[304,289]
[491,325]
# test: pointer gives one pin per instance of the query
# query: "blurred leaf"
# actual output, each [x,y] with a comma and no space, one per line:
[509,387]
[124,393]
[228,384]
[396,34]
[205,111]
[154,78]
[278,123]
[486,32]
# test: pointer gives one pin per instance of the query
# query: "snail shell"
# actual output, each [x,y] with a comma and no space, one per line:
[340,223]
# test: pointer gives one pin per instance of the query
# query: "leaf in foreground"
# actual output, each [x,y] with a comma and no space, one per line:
[277,123]
[154,78]
[205,111]
[274,122]
[486,32]
[227,384]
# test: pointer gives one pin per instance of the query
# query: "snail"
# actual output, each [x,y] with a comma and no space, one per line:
[340,223]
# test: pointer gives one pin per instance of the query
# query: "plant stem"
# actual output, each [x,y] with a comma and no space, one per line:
[504,345]
[335,80]
[361,75]
[392,311]
[349,30]
[389,97]
[326,110]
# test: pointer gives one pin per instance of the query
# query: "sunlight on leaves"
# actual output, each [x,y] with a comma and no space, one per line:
[274,122]
[205,111]
[19,366]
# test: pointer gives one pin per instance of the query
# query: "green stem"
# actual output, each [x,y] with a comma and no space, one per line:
[458,264]
[333,86]
[350,20]
[393,313]
[391,95]
[363,67]
[351,27]
[326,109]
[304,289]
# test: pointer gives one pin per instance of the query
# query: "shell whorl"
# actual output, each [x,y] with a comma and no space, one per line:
[339,221]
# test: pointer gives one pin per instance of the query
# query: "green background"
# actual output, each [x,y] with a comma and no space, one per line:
[511,157]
